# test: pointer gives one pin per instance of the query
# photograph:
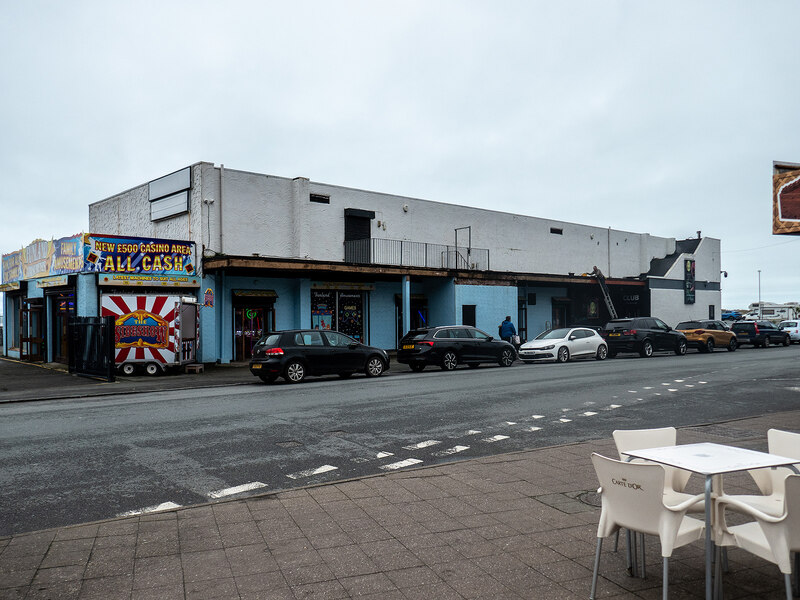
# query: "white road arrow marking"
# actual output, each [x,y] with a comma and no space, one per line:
[237,489]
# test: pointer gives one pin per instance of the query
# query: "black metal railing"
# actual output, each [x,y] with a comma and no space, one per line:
[91,346]
[415,254]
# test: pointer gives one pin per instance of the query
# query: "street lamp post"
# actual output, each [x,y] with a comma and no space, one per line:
[759,295]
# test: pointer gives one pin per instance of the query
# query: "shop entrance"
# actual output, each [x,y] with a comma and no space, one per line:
[31,324]
[249,324]
[62,308]
[561,316]
[419,314]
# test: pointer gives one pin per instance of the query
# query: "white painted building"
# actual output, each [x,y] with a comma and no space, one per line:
[296,253]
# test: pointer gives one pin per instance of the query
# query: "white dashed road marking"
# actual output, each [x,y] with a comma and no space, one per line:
[421,445]
[311,472]
[150,509]
[511,422]
[473,432]
[399,465]
[534,429]
[383,454]
[589,413]
[537,416]
[615,406]
[672,390]
[564,421]
[453,450]
[237,489]
[495,438]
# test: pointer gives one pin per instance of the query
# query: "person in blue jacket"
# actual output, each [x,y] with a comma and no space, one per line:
[507,329]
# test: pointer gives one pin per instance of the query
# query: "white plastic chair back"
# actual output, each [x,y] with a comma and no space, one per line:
[782,443]
[636,439]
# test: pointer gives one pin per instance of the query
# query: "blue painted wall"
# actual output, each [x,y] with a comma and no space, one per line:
[541,315]
[492,304]
[441,301]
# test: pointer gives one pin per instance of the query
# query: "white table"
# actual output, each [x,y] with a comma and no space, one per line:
[708,459]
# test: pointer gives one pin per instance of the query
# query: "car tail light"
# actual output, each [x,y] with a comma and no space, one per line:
[756,328]
[629,332]
[274,352]
[698,331]
[425,343]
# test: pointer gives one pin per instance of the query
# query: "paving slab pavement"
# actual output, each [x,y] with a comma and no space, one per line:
[511,526]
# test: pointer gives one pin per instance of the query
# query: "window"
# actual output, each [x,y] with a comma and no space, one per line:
[459,334]
[478,334]
[320,199]
[557,231]
[660,324]
[711,314]
[309,338]
[442,334]
[337,339]
[531,298]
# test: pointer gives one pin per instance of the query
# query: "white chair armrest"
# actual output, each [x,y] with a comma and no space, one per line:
[686,504]
[747,509]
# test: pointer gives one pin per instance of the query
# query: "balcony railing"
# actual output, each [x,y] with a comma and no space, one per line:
[415,254]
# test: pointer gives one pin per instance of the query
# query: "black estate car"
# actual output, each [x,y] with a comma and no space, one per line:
[643,335]
[760,333]
[449,346]
[300,352]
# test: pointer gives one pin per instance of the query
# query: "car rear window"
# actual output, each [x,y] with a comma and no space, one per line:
[690,325]
[270,339]
[415,335]
[623,324]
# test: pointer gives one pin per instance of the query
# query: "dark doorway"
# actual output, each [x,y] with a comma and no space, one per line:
[357,234]
[62,308]
[468,314]
[419,313]
[561,314]
[250,322]
[31,327]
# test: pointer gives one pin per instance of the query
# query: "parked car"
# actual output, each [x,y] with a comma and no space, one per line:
[643,335]
[562,344]
[790,327]
[706,335]
[296,353]
[759,333]
[450,346]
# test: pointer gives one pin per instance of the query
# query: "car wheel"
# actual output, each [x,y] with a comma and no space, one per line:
[732,345]
[602,352]
[507,357]
[417,367]
[268,378]
[473,365]
[680,349]
[128,368]
[374,367]
[449,361]
[767,342]
[647,349]
[563,355]
[710,345]
[345,375]
[786,341]
[295,372]
[152,369]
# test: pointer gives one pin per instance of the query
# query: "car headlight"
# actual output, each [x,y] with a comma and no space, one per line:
[550,347]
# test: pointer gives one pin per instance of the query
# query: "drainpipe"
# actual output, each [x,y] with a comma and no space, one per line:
[608,273]
[406,304]
[221,177]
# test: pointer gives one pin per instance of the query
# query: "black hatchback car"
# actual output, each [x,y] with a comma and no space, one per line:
[300,352]
[449,346]
[643,335]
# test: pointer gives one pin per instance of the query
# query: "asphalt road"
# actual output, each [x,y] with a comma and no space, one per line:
[72,461]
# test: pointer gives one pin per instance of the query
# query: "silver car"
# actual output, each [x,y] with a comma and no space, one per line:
[562,344]
[792,328]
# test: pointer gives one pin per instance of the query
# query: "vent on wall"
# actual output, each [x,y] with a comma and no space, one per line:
[556,231]
[320,199]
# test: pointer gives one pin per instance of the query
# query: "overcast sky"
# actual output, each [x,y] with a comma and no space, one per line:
[649,117]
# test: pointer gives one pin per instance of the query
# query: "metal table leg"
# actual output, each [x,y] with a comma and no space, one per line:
[709,560]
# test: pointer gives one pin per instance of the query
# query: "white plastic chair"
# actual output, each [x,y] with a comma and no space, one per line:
[634,496]
[675,479]
[772,537]
[770,481]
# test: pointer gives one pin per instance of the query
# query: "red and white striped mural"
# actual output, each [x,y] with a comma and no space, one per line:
[144,328]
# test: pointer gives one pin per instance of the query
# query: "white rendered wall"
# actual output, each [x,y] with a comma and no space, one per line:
[240,213]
